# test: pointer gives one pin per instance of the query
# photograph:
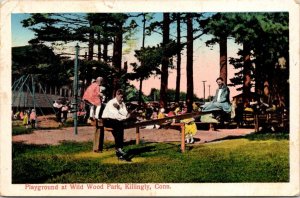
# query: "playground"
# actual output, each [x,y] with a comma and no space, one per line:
[226,155]
[244,137]
[86,133]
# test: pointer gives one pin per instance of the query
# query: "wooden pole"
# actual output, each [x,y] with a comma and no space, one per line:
[256,122]
[182,126]
[75,86]
[137,135]
[96,143]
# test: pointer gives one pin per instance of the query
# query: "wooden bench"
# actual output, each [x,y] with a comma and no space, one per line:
[100,129]
[274,119]
[248,118]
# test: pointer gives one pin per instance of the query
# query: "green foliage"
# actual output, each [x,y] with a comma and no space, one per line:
[52,27]
[150,59]
[219,25]
[41,61]
[19,130]
[132,94]
[267,37]
[263,158]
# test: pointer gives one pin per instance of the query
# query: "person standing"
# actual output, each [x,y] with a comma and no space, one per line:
[64,110]
[26,119]
[57,106]
[190,130]
[115,112]
[92,95]
[32,118]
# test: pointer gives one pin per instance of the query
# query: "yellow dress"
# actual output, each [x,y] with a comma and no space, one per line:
[161,115]
[25,119]
[195,107]
[177,111]
[190,126]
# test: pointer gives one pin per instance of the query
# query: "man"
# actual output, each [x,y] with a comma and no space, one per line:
[221,99]
[92,95]
[114,113]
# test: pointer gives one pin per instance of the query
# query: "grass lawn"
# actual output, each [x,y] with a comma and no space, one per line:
[254,158]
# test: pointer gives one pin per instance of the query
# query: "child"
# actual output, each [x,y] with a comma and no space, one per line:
[33,118]
[25,119]
[161,113]
[190,130]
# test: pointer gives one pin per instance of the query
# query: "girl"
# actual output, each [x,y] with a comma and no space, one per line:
[190,130]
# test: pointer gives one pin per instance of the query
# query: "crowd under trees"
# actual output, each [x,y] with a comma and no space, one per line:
[263,57]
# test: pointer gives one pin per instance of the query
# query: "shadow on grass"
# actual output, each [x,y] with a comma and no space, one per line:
[261,135]
[131,153]
[20,147]
[153,149]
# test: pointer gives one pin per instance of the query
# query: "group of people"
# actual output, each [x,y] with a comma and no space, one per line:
[62,107]
[28,117]
[115,111]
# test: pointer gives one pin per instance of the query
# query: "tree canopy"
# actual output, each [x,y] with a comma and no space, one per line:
[264,56]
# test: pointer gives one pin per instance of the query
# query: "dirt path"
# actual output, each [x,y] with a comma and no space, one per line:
[56,136]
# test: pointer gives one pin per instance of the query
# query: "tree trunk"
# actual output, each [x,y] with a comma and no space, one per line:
[91,44]
[117,56]
[189,64]
[246,73]
[117,51]
[223,59]
[105,44]
[105,51]
[142,63]
[177,93]
[165,61]
[99,46]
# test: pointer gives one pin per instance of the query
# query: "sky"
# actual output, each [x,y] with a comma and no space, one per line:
[206,59]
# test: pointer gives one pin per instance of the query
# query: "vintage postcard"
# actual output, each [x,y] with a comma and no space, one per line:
[149,98]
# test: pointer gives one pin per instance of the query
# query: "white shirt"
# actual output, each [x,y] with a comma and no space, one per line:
[219,95]
[113,113]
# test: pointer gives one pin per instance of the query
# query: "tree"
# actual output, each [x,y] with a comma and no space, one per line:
[41,61]
[165,61]
[265,39]
[178,65]
[150,59]
[220,26]
[189,64]
[144,20]
[52,28]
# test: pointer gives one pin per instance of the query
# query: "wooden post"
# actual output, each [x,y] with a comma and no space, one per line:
[182,137]
[256,124]
[101,139]
[98,137]
[96,140]
[137,139]
[211,127]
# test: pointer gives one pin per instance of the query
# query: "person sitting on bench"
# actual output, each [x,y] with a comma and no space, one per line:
[114,113]
[220,102]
